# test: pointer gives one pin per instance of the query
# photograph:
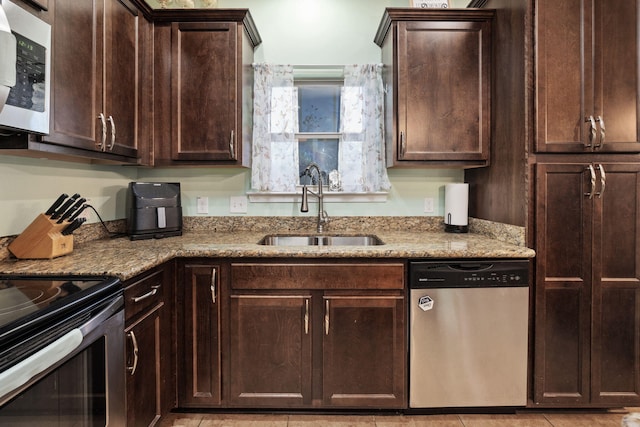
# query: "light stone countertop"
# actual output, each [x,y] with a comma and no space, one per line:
[125,259]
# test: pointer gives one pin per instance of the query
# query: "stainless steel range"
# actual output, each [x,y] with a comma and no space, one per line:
[61,351]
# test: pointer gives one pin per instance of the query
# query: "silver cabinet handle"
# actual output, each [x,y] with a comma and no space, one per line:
[112,124]
[403,145]
[592,131]
[232,148]
[213,286]
[134,341]
[600,120]
[603,181]
[100,144]
[326,317]
[306,316]
[152,292]
[592,171]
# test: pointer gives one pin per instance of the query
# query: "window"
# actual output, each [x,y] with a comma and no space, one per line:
[318,134]
[336,124]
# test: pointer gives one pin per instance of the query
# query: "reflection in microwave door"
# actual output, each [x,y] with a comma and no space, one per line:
[37,97]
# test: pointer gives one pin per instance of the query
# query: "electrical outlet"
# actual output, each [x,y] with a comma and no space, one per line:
[429,205]
[238,204]
[202,205]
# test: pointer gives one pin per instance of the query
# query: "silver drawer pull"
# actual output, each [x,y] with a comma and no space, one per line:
[232,148]
[603,181]
[112,123]
[306,316]
[213,286]
[592,130]
[134,341]
[152,292]
[103,140]
[600,120]
[592,172]
[326,317]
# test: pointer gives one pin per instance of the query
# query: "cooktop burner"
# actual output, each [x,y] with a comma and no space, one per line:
[20,297]
[36,310]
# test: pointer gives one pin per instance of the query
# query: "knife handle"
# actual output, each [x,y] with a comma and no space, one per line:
[78,212]
[58,213]
[73,226]
[55,204]
[72,209]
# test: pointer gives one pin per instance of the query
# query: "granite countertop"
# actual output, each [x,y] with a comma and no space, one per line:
[125,259]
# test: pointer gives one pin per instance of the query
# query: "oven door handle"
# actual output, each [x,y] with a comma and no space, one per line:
[22,372]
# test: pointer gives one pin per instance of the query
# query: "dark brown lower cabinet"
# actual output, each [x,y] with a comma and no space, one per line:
[149,346]
[294,344]
[199,362]
[271,350]
[143,376]
[587,314]
[363,350]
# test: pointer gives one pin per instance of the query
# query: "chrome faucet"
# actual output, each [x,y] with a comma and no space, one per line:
[323,218]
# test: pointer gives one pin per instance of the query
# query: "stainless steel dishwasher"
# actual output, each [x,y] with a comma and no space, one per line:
[468,333]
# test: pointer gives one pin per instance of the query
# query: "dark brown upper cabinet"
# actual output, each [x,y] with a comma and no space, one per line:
[204,87]
[437,78]
[587,80]
[95,95]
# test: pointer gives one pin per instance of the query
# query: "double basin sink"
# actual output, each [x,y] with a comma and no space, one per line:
[320,240]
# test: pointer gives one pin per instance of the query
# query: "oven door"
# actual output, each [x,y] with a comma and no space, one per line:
[78,380]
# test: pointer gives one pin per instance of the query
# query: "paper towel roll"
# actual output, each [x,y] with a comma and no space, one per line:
[456,205]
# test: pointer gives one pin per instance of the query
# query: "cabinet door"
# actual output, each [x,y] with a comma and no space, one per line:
[204,91]
[444,75]
[121,97]
[199,374]
[76,87]
[144,369]
[616,288]
[271,350]
[149,332]
[617,74]
[363,351]
[564,215]
[587,68]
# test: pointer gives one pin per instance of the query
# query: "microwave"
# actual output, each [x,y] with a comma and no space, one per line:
[26,108]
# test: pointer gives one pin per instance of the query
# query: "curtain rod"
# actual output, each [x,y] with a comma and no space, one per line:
[324,66]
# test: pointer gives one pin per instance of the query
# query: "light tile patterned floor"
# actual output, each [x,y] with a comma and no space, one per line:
[524,419]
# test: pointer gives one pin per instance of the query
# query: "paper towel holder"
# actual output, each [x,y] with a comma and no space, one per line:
[456,208]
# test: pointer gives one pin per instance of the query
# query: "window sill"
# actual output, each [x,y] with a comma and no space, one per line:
[329,197]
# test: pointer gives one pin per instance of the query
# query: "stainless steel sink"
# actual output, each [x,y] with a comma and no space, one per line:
[319,240]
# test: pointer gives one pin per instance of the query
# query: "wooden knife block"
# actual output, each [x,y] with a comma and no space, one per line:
[42,239]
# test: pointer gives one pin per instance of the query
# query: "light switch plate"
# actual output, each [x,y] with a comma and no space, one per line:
[238,204]
[202,205]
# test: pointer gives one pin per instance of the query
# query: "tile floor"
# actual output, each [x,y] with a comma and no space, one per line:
[524,419]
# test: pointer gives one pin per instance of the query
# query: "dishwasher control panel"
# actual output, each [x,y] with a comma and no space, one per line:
[468,273]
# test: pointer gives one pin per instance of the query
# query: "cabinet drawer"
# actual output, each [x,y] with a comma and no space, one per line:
[317,276]
[143,294]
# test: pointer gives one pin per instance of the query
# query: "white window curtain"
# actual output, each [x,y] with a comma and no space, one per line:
[362,163]
[275,121]
[274,164]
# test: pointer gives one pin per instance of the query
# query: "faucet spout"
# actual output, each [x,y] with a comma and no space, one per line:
[323,218]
